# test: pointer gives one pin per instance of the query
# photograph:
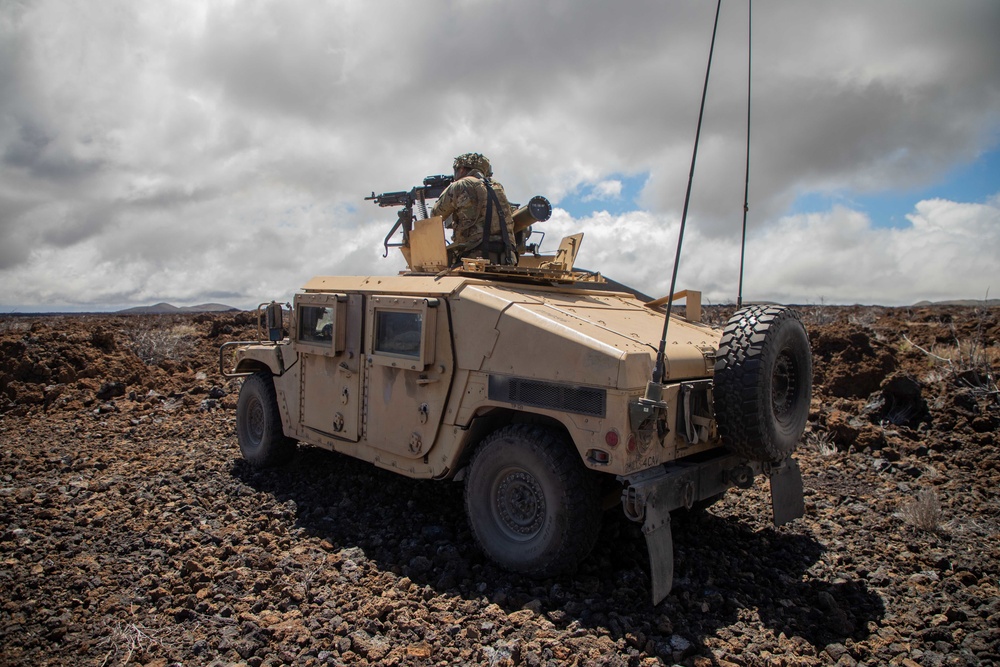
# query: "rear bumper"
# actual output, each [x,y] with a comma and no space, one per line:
[650,496]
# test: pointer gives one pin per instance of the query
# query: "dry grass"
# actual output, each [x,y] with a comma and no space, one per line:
[969,362]
[125,641]
[900,414]
[866,319]
[923,512]
[823,441]
[819,314]
[969,354]
[9,324]
[155,341]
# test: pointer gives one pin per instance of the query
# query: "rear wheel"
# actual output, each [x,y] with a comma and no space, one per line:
[258,423]
[763,382]
[532,505]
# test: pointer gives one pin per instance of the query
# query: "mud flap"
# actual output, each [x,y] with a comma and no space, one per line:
[660,545]
[650,495]
[787,502]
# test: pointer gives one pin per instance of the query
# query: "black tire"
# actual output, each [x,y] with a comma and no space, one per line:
[763,382]
[532,505]
[258,423]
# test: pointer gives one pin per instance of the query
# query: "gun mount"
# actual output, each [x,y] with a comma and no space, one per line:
[431,189]
[425,250]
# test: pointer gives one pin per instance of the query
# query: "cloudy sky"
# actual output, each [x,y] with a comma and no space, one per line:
[195,152]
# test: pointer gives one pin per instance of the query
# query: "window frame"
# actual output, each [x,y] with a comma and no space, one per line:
[426,308]
[337,304]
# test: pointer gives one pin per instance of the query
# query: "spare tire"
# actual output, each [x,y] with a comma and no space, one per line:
[763,382]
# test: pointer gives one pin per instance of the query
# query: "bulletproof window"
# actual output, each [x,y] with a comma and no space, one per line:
[402,331]
[316,324]
[398,333]
[320,322]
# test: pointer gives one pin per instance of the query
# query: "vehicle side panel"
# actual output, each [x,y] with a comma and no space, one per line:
[405,398]
[287,389]
[474,316]
[415,416]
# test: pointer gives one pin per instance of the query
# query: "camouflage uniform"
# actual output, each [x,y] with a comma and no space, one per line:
[465,201]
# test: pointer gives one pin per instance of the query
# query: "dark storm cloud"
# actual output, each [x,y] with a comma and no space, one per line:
[35,149]
[263,56]
[227,148]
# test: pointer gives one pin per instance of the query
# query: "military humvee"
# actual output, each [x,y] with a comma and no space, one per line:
[531,385]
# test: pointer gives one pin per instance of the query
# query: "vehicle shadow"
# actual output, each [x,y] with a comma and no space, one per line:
[723,568]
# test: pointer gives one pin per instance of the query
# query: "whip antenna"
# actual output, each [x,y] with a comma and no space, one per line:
[659,370]
[746,188]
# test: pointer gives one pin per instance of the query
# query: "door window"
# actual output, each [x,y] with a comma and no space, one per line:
[320,322]
[316,324]
[398,333]
[402,331]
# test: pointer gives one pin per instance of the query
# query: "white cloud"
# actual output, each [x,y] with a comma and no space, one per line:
[948,252]
[604,190]
[184,150]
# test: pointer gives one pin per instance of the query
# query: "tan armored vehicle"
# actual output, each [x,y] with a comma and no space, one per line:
[531,385]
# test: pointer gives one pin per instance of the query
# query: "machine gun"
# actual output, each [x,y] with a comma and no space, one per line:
[431,189]
[538,209]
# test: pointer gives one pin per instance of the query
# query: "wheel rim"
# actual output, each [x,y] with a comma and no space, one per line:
[784,386]
[518,504]
[255,422]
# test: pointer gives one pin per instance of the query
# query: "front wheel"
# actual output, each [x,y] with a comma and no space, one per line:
[258,423]
[763,382]
[532,505]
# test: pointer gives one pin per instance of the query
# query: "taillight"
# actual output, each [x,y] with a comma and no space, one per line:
[611,438]
[598,457]
[631,445]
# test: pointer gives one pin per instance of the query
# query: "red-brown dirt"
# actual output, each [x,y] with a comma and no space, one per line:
[133,533]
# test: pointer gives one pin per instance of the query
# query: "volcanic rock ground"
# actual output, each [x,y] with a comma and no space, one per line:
[133,533]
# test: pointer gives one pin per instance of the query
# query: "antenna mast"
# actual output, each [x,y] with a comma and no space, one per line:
[746,187]
[659,369]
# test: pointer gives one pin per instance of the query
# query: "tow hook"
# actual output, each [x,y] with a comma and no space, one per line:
[633,505]
[741,476]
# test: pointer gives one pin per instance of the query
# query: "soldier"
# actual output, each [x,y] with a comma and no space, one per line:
[471,200]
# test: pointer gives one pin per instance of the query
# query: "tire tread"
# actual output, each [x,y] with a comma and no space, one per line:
[275,447]
[578,533]
[743,410]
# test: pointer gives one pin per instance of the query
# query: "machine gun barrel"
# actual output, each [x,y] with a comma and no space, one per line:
[431,189]
[392,199]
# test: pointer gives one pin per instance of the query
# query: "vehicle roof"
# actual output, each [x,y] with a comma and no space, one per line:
[593,327]
[583,333]
[400,284]
[432,285]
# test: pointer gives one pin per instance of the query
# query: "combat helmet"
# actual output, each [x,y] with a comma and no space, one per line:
[474,161]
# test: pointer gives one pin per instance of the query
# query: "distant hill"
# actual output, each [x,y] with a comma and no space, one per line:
[989,303]
[166,308]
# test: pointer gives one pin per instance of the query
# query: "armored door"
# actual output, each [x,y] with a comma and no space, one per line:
[408,373]
[328,340]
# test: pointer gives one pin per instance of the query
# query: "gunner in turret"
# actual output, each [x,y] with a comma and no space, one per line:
[472,200]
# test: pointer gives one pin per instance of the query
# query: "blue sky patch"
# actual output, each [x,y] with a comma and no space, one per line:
[615,194]
[973,183]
